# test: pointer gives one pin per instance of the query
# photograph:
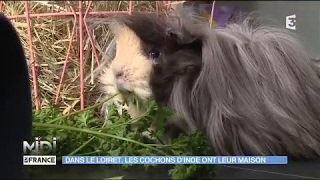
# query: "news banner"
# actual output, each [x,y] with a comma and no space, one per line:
[107,160]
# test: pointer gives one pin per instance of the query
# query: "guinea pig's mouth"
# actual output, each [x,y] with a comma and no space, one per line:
[126,95]
[123,86]
[125,92]
[122,89]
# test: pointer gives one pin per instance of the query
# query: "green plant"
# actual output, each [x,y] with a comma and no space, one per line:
[82,133]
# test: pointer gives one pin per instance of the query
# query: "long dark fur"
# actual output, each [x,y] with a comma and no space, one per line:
[15,102]
[251,89]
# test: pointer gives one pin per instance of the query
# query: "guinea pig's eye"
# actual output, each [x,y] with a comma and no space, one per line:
[154,54]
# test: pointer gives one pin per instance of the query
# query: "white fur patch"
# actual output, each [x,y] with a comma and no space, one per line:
[136,68]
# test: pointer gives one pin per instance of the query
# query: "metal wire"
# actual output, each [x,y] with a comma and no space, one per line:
[80,15]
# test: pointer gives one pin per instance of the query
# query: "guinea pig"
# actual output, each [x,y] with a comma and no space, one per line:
[250,88]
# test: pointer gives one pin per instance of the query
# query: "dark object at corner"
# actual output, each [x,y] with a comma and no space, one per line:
[16,104]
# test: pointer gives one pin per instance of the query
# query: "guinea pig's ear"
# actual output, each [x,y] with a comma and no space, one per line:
[181,37]
[186,27]
[186,40]
[172,34]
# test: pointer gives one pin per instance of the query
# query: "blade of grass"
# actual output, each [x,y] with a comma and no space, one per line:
[83,110]
[95,133]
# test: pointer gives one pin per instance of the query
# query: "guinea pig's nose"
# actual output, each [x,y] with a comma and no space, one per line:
[119,74]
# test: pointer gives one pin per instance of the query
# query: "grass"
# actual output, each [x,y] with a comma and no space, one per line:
[81,132]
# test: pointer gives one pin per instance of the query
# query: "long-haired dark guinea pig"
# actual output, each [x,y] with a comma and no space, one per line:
[251,89]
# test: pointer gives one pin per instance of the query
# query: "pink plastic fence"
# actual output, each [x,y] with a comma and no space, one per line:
[80,19]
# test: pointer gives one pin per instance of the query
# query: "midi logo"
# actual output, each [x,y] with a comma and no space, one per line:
[291,22]
[40,150]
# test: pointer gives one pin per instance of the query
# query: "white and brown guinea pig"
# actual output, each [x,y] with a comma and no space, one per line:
[250,88]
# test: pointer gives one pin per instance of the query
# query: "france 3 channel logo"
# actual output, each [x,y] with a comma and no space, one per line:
[291,22]
[37,149]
